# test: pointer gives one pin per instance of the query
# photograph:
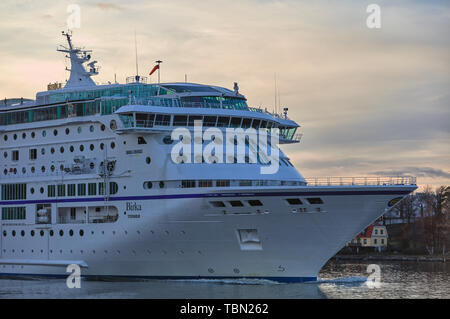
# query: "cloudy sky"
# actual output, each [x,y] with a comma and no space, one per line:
[370,101]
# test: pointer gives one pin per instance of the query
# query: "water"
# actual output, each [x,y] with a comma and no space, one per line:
[337,280]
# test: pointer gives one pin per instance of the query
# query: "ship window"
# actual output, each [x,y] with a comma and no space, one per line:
[210,121]
[255,202]
[71,190]
[255,124]
[113,188]
[92,189]
[61,190]
[162,120]
[167,140]
[141,140]
[15,155]
[51,191]
[148,185]
[294,201]
[246,123]
[193,118]
[236,121]
[188,184]
[13,213]
[205,183]
[81,189]
[223,183]
[217,204]
[315,200]
[33,154]
[180,120]
[223,121]
[236,203]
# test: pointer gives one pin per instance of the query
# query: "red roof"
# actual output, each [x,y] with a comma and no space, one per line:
[366,233]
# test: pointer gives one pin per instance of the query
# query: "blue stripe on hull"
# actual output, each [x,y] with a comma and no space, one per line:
[207,195]
[277,279]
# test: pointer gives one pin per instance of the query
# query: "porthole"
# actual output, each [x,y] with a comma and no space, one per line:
[167,140]
[15,170]
[42,151]
[55,132]
[71,232]
[61,149]
[71,148]
[113,145]
[91,147]
[51,232]
[81,232]
[22,233]
[91,128]
[5,154]
[92,165]
[5,171]
[41,233]
[15,136]
[32,190]
[102,146]
[5,137]
[52,150]
[44,133]
[43,169]
[32,233]
[4,233]
[148,185]
[13,233]
[24,135]
[113,125]
[79,129]
[161,184]
[33,169]
[61,167]
[41,190]
[61,233]
[103,127]
[52,168]
[24,170]
[33,135]
[148,160]
[67,131]
[81,148]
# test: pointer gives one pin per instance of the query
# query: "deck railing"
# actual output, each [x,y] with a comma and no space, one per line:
[388,180]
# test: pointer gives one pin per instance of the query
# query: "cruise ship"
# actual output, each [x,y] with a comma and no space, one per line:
[88,178]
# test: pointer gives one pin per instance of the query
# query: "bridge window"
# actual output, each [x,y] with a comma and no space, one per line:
[236,203]
[14,191]
[217,204]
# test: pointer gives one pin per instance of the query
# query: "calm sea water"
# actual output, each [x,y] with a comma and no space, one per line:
[337,280]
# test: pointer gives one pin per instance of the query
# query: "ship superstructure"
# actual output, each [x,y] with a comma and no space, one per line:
[87,178]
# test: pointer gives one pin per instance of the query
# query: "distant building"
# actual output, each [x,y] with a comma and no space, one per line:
[374,235]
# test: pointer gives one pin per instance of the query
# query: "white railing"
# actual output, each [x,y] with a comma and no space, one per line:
[388,180]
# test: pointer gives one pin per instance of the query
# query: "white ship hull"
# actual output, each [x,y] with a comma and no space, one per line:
[184,238]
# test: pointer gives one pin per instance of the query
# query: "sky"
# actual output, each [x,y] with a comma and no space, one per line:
[370,101]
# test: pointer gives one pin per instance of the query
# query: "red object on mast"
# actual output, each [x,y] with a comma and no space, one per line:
[156,67]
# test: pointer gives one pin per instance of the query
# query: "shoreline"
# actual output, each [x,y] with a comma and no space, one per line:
[414,258]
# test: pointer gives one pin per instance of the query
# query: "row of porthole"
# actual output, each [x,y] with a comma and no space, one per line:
[71,149]
[71,232]
[55,132]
